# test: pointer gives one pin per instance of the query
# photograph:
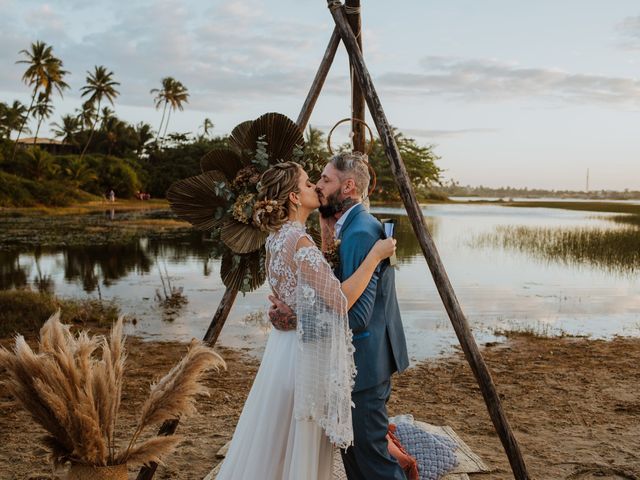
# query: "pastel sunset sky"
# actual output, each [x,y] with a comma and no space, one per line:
[510,93]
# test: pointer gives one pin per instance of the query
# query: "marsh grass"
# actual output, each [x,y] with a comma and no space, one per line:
[625,219]
[612,207]
[25,311]
[613,250]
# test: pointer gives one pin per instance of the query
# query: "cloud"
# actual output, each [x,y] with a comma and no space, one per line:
[425,133]
[487,80]
[227,55]
[629,29]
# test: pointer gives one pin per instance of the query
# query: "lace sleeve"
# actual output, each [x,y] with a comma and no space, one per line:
[325,368]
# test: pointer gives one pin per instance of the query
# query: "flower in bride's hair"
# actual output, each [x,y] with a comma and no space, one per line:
[263,209]
[242,209]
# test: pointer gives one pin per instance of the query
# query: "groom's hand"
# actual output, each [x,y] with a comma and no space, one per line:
[281,316]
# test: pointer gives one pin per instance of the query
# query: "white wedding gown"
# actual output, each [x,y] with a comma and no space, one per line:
[271,441]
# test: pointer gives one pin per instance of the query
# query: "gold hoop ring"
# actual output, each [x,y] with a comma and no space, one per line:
[352,120]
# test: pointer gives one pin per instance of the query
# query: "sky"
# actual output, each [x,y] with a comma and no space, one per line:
[524,94]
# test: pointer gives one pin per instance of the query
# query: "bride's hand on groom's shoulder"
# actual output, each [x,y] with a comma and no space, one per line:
[281,316]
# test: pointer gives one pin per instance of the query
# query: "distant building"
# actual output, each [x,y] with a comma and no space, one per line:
[51,145]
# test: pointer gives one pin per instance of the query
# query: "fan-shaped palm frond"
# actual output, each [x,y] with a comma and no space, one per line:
[200,200]
[280,133]
[239,138]
[226,161]
[242,238]
[243,272]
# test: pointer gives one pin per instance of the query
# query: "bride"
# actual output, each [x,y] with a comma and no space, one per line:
[299,406]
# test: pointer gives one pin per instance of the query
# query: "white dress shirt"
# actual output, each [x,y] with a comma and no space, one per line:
[343,219]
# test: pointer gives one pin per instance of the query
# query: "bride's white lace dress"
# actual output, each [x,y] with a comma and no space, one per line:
[300,400]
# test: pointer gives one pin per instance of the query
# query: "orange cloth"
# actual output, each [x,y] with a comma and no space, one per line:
[406,461]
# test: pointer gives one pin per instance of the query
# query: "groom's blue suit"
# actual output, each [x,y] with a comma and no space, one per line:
[380,350]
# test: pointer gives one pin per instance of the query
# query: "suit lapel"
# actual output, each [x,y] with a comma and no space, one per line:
[352,215]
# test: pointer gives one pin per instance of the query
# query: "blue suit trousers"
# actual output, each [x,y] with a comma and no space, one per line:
[369,457]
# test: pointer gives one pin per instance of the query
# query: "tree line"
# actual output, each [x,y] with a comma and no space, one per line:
[103,152]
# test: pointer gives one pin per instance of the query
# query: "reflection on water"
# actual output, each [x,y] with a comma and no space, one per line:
[498,286]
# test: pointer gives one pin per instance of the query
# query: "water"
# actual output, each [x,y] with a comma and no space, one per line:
[498,288]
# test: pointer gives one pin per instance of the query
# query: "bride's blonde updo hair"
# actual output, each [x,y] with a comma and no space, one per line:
[271,209]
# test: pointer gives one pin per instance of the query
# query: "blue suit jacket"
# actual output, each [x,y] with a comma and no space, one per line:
[378,336]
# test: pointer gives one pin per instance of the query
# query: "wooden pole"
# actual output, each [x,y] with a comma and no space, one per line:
[318,81]
[217,322]
[458,319]
[352,8]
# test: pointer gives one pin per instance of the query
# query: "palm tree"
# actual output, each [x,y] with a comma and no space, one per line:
[161,97]
[173,94]
[43,109]
[40,163]
[14,117]
[144,134]
[67,129]
[177,96]
[43,74]
[100,85]
[207,126]
[107,114]
[79,173]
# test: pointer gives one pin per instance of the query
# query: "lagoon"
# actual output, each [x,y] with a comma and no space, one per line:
[500,287]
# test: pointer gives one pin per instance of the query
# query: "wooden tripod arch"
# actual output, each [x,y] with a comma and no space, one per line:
[347,28]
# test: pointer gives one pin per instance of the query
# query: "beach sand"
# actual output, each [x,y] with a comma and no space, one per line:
[573,403]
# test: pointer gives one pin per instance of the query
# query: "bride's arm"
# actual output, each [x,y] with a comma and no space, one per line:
[353,286]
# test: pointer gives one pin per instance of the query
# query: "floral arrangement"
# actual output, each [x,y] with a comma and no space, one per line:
[222,199]
[72,387]
[332,254]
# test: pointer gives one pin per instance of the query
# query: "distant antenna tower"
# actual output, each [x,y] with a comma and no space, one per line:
[587,180]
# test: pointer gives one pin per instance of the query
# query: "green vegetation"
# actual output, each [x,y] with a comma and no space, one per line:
[419,160]
[25,311]
[609,249]
[100,152]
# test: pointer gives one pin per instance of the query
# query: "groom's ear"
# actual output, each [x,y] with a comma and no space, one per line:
[349,186]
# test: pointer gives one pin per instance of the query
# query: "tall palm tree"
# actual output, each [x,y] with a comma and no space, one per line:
[100,85]
[161,98]
[43,109]
[44,73]
[67,129]
[177,96]
[172,94]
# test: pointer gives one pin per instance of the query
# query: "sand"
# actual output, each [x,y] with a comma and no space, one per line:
[574,405]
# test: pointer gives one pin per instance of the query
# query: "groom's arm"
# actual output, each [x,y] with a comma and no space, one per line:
[353,251]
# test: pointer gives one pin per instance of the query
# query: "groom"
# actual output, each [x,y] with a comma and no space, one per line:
[378,336]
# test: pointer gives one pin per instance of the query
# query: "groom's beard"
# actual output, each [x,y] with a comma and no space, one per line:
[335,205]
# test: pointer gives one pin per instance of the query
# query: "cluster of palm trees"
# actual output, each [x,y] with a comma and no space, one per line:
[45,74]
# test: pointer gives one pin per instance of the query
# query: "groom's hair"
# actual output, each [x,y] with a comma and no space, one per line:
[354,165]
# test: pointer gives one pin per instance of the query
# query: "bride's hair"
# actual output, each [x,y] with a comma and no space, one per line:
[271,209]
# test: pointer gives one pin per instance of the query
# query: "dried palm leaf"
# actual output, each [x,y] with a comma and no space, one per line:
[224,160]
[240,141]
[243,272]
[281,134]
[242,238]
[194,199]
